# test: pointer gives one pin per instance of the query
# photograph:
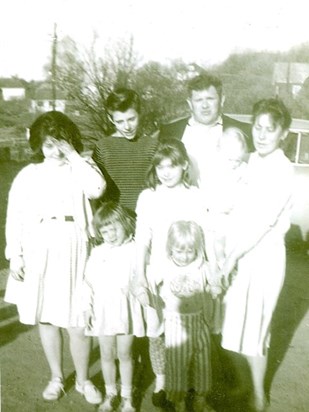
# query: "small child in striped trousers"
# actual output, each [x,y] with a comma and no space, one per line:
[187,312]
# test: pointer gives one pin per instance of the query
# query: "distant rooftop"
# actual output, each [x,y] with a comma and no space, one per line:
[12,82]
[294,73]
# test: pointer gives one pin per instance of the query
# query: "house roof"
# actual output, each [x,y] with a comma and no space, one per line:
[45,92]
[295,73]
[12,83]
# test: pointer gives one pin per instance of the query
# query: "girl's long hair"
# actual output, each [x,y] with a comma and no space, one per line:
[174,150]
[109,213]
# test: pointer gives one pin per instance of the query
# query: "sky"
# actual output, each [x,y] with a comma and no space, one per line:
[201,31]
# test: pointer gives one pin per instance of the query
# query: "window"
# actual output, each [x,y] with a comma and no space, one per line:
[303,157]
[290,146]
[296,147]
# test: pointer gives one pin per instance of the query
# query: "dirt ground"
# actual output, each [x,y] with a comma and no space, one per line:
[24,372]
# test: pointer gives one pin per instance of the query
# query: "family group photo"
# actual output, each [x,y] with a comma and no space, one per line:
[154,230]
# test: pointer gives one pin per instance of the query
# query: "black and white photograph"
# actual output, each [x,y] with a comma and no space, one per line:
[154,208]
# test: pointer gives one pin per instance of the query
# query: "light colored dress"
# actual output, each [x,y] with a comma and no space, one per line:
[258,226]
[108,281]
[156,211]
[48,224]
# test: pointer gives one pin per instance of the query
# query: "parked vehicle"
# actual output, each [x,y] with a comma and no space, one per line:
[296,148]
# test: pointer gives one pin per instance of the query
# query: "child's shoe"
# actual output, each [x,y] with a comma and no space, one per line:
[53,390]
[90,392]
[126,405]
[108,404]
[160,400]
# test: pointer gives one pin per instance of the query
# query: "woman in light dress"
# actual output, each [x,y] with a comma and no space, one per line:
[48,231]
[255,244]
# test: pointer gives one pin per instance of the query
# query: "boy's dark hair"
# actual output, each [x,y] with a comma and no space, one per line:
[203,82]
[276,109]
[109,213]
[123,99]
[57,125]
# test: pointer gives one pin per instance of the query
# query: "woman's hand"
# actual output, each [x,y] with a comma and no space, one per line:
[17,266]
[141,294]
[88,316]
[215,291]
[65,148]
[228,267]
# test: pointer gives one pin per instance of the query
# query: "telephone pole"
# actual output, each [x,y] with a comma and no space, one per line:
[54,68]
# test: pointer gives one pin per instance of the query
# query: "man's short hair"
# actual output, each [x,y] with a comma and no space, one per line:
[203,82]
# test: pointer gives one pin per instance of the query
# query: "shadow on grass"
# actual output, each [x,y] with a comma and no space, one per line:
[11,330]
[292,305]
[142,378]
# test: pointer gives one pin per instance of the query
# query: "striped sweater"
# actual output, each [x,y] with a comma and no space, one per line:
[124,164]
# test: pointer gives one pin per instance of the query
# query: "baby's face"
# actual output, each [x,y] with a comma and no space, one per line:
[232,154]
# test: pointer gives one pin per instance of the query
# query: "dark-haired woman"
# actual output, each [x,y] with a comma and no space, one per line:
[255,244]
[47,235]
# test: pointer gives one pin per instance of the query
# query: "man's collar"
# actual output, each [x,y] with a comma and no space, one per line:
[192,122]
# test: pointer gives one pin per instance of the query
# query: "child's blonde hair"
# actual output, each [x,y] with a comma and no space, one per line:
[233,135]
[186,234]
[109,213]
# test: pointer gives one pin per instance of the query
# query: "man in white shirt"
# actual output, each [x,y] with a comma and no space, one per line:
[201,131]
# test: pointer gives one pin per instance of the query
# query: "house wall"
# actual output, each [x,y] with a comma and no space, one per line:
[47,105]
[11,93]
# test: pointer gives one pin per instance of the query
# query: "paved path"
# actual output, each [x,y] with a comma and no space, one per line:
[25,373]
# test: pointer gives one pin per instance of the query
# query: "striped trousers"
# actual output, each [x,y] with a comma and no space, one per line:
[187,343]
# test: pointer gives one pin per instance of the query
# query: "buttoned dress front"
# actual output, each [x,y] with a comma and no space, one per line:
[49,225]
[259,223]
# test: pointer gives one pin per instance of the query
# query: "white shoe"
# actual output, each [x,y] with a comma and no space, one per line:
[53,390]
[108,404]
[90,392]
[126,405]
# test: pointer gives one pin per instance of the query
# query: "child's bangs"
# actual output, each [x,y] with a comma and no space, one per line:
[106,217]
[182,241]
[185,242]
[110,220]
[168,153]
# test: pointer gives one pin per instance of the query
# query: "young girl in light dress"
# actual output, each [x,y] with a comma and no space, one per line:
[187,312]
[48,231]
[112,313]
[168,198]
